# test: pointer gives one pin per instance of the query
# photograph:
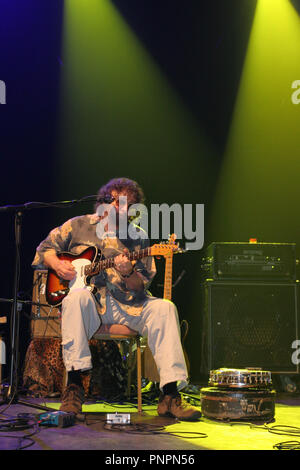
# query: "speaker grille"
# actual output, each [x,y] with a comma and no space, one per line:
[250,325]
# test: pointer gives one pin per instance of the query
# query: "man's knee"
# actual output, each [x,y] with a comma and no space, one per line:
[165,306]
[78,296]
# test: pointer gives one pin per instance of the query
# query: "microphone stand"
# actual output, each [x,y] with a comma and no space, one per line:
[12,391]
[12,394]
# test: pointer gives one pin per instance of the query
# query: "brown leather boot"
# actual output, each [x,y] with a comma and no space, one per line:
[177,407]
[72,399]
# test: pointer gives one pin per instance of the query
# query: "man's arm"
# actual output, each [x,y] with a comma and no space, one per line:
[134,282]
[131,278]
[64,269]
[46,253]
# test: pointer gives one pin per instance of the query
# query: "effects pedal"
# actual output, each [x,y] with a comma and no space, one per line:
[59,419]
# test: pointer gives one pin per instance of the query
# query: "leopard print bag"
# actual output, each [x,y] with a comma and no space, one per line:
[43,374]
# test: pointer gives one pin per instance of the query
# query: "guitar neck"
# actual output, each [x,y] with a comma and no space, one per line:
[95,268]
[168,277]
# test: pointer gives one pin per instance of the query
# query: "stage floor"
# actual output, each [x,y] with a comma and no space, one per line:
[148,432]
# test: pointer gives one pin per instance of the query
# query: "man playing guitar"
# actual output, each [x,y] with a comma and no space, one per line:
[120,296]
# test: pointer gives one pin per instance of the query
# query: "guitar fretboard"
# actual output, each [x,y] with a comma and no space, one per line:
[168,277]
[95,268]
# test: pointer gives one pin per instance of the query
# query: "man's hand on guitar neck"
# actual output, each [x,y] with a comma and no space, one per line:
[125,268]
[64,269]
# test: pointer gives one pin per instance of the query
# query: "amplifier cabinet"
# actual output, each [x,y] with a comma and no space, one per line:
[248,325]
[45,320]
[274,262]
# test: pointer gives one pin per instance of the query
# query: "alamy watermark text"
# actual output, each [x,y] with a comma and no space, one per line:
[136,221]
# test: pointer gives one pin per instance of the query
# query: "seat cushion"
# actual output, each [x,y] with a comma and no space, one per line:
[115,329]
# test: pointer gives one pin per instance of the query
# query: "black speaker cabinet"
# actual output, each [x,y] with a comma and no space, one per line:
[45,320]
[249,324]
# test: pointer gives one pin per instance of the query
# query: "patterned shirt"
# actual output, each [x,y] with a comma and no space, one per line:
[76,235]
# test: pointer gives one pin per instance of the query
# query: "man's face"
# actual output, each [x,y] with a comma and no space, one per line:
[114,215]
[121,203]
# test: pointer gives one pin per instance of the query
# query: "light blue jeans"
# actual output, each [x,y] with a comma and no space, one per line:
[158,322]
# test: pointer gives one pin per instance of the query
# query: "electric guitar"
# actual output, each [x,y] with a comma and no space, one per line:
[86,266]
[169,270]
[168,282]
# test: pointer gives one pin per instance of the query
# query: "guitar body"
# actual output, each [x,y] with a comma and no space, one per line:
[57,288]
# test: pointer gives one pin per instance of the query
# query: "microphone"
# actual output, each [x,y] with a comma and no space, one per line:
[106,199]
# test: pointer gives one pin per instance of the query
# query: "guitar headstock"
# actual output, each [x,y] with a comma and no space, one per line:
[166,248]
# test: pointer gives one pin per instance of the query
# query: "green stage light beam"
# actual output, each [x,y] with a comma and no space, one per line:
[258,189]
[119,113]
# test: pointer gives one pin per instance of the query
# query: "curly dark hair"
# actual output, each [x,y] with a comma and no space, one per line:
[121,185]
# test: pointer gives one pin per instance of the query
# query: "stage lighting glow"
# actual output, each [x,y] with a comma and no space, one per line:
[262,154]
[118,110]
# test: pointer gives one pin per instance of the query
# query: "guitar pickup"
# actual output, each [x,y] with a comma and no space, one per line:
[57,293]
